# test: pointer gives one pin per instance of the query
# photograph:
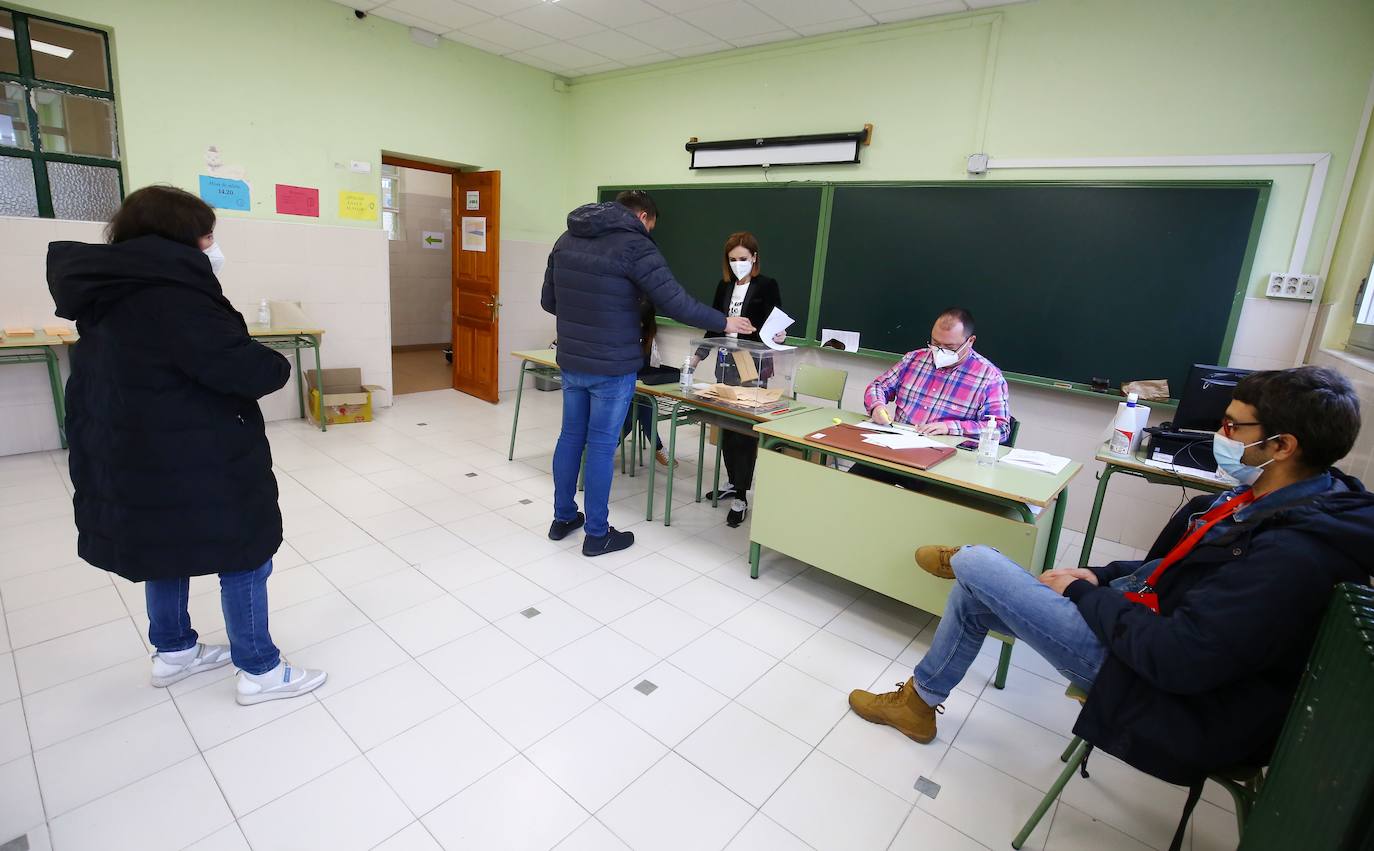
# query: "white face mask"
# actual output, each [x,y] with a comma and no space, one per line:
[1228,452]
[945,357]
[216,257]
[741,268]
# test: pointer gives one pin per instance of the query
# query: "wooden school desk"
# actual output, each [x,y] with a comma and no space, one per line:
[293,340]
[41,347]
[867,531]
[1136,466]
[683,406]
[541,363]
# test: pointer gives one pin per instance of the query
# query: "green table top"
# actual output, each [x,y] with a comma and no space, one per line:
[1002,480]
[1136,463]
[542,357]
[260,331]
[35,340]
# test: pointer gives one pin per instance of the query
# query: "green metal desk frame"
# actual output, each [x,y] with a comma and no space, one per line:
[294,342]
[1133,467]
[686,409]
[1020,523]
[46,354]
[528,365]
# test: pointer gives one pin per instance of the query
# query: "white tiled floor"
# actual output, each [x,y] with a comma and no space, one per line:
[453,721]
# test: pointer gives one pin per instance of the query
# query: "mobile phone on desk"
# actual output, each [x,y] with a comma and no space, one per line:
[971,445]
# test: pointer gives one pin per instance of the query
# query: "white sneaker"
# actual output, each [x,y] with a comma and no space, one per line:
[279,683]
[206,658]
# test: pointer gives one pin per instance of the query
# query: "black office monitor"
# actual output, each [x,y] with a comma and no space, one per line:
[1203,401]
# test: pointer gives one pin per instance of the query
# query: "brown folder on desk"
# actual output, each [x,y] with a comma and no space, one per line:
[851,439]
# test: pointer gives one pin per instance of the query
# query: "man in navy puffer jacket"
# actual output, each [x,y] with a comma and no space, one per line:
[598,271]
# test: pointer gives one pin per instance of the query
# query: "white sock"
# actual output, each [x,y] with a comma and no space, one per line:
[273,676]
[179,657]
[739,505]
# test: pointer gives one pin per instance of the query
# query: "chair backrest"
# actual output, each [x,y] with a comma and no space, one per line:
[819,382]
[1012,431]
[1319,790]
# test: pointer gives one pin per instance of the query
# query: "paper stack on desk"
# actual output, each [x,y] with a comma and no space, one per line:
[1042,462]
[901,441]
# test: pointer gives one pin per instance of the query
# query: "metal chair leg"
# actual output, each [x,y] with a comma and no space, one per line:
[1077,751]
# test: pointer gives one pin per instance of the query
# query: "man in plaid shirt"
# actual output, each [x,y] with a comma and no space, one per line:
[946,387]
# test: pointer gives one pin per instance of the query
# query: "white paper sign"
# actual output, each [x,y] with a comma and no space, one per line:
[474,233]
[472,199]
[845,340]
[434,239]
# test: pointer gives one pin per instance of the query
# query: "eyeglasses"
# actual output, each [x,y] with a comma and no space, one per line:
[1229,425]
[935,345]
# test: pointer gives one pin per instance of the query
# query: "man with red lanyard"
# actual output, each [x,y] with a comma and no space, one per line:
[1190,657]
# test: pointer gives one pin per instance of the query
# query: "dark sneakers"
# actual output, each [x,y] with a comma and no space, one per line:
[562,528]
[610,542]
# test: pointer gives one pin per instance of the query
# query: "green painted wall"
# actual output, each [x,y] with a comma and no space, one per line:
[286,89]
[1354,252]
[1052,78]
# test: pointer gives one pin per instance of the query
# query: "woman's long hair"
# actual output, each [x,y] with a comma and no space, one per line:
[648,325]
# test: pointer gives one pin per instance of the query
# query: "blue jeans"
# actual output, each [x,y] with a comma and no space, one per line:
[992,592]
[593,413]
[243,596]
[644,413]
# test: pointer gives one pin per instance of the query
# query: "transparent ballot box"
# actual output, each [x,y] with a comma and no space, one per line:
[743,374]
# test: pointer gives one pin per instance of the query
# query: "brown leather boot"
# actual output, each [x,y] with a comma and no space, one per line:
[902,709]
[935,560]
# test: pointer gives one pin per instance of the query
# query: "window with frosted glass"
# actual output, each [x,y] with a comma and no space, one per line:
[59,133]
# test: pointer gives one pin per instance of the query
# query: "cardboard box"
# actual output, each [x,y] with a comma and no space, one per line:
[346,399]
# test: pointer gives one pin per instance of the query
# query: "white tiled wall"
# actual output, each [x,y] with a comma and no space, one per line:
[1075,426]
[339,275]
[524,324]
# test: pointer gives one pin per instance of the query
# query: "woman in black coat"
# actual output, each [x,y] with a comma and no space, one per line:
[742,291]
[169,457]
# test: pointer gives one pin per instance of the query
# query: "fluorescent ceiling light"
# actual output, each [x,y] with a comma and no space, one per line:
[819,149]
[40,46]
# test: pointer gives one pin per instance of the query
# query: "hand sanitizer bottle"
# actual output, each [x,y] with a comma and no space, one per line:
[988,439]
[686,378]
[1124,427]
[264,314]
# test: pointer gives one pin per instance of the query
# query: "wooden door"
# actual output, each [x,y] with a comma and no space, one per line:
[476,282]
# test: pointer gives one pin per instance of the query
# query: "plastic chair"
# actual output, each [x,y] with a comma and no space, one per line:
[819,382]
[1242,783]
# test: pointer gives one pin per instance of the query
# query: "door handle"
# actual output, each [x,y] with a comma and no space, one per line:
[495,306]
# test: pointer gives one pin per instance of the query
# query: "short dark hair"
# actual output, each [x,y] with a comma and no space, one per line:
[960,315]
[1314,404]
[639,201]
[163,211]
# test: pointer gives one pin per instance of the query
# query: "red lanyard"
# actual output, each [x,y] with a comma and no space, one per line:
[1146,596]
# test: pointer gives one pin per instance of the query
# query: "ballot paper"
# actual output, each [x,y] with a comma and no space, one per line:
[902,441]
[744,397]
[1042,462]
[776,321]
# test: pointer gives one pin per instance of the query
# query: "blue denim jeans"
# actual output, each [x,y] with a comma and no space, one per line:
[593,414]
[243,596]
[994,593]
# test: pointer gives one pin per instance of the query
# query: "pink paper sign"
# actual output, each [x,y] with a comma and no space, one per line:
[298,200]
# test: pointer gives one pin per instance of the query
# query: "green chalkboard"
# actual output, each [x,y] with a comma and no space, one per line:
[1065,281]
[693,223]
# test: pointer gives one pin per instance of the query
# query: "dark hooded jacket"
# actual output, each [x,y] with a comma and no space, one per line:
[169,456]
[597,272]
[1206,684]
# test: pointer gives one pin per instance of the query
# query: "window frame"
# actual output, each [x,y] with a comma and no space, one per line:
[26,78]
[1361,336]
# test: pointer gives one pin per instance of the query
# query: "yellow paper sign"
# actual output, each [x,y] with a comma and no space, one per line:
[359,206]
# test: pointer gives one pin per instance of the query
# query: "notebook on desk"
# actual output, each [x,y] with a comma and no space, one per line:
[850,438]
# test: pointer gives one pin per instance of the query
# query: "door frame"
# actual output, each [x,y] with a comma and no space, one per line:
[452,171]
